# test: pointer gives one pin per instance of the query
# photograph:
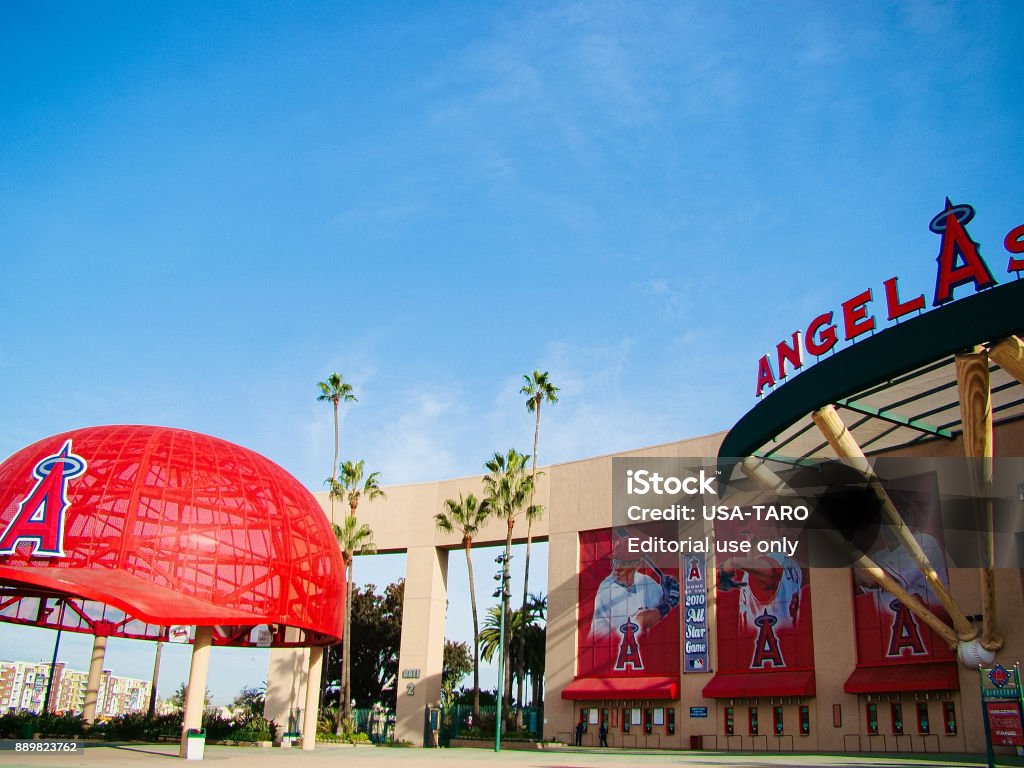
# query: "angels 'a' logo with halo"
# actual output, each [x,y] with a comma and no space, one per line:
[39,520]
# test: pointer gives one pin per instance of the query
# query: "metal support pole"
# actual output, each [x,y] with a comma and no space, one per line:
[501,676]
[53,661]
[156,676]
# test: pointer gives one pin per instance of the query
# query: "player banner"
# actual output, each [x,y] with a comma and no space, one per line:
[887,632]
[629,606]
[763,604]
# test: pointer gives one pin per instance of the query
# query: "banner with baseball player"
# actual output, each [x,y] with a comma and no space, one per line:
[887,632]
[763,605]
[629,606]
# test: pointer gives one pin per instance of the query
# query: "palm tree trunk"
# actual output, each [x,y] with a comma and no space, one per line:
[345,645]
[476,635]
[348,634]
[520,663]
[334,467]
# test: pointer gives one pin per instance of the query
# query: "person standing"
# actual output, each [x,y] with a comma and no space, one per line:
[580,727]
[603,733]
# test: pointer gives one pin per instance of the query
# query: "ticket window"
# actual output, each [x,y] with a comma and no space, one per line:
[897,718]
[585,718]
[605,718]
[730,723]
[752,721]
[777,720]
[949,718]
[872,715]
[805,720]
[648,720]
[670,720]
[627,714]
[922,717]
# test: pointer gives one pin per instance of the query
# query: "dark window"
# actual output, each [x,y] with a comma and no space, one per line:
[805,720]
[777,720]
[922,717]
[670,719]
[730,725]
[648,720]
[752,720]
[897,717]
[949,717]
[872,712]
[626,715]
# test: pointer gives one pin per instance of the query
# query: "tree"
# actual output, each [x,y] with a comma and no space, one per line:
[466,516]
[377,622]
[335,391]
[248,705]
[508,490]
[457,664]
[354,484]
[521,624]
[354,538]
[177,699]
[537,388]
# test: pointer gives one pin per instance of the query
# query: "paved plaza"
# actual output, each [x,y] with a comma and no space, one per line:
[156,755]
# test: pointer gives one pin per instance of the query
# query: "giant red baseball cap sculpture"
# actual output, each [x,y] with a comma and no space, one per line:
[129,530]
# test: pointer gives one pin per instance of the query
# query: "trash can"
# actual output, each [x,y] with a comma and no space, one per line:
[696,742]
[195,744]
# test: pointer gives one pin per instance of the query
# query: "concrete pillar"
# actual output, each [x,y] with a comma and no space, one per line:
[422,648]
[195,697]
[311,713]
[286,678]
[92,688]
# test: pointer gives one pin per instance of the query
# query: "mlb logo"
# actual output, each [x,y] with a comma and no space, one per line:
[696,663]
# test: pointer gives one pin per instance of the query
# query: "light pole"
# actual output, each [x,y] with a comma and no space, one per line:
[503,591]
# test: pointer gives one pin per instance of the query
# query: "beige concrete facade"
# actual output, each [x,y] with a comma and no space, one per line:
[577,496]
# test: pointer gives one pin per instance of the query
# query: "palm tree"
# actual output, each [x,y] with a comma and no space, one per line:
[335,390]
[523,623]
[354,538]
[508,489]
[465,516]
[537,388]
[354,484]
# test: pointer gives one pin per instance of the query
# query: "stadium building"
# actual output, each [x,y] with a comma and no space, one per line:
[774,650]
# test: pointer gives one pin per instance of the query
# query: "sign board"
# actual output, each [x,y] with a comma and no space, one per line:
[1004,723]
[695,621]
[1002,702]
[261,636]
[959,263]
[1000,683]
[698,711]
[179,634]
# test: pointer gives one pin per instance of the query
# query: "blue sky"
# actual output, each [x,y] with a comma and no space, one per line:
[207,208]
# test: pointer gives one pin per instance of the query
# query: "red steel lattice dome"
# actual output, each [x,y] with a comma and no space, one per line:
[127,530]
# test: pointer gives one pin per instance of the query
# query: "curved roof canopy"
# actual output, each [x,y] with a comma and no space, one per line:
[898,386]
[129,530]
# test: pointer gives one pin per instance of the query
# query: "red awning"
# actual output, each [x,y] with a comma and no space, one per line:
[895,678]
[751,684]
[597,688]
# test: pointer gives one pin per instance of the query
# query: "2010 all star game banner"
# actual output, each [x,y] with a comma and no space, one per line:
[629,605]
[763,605]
